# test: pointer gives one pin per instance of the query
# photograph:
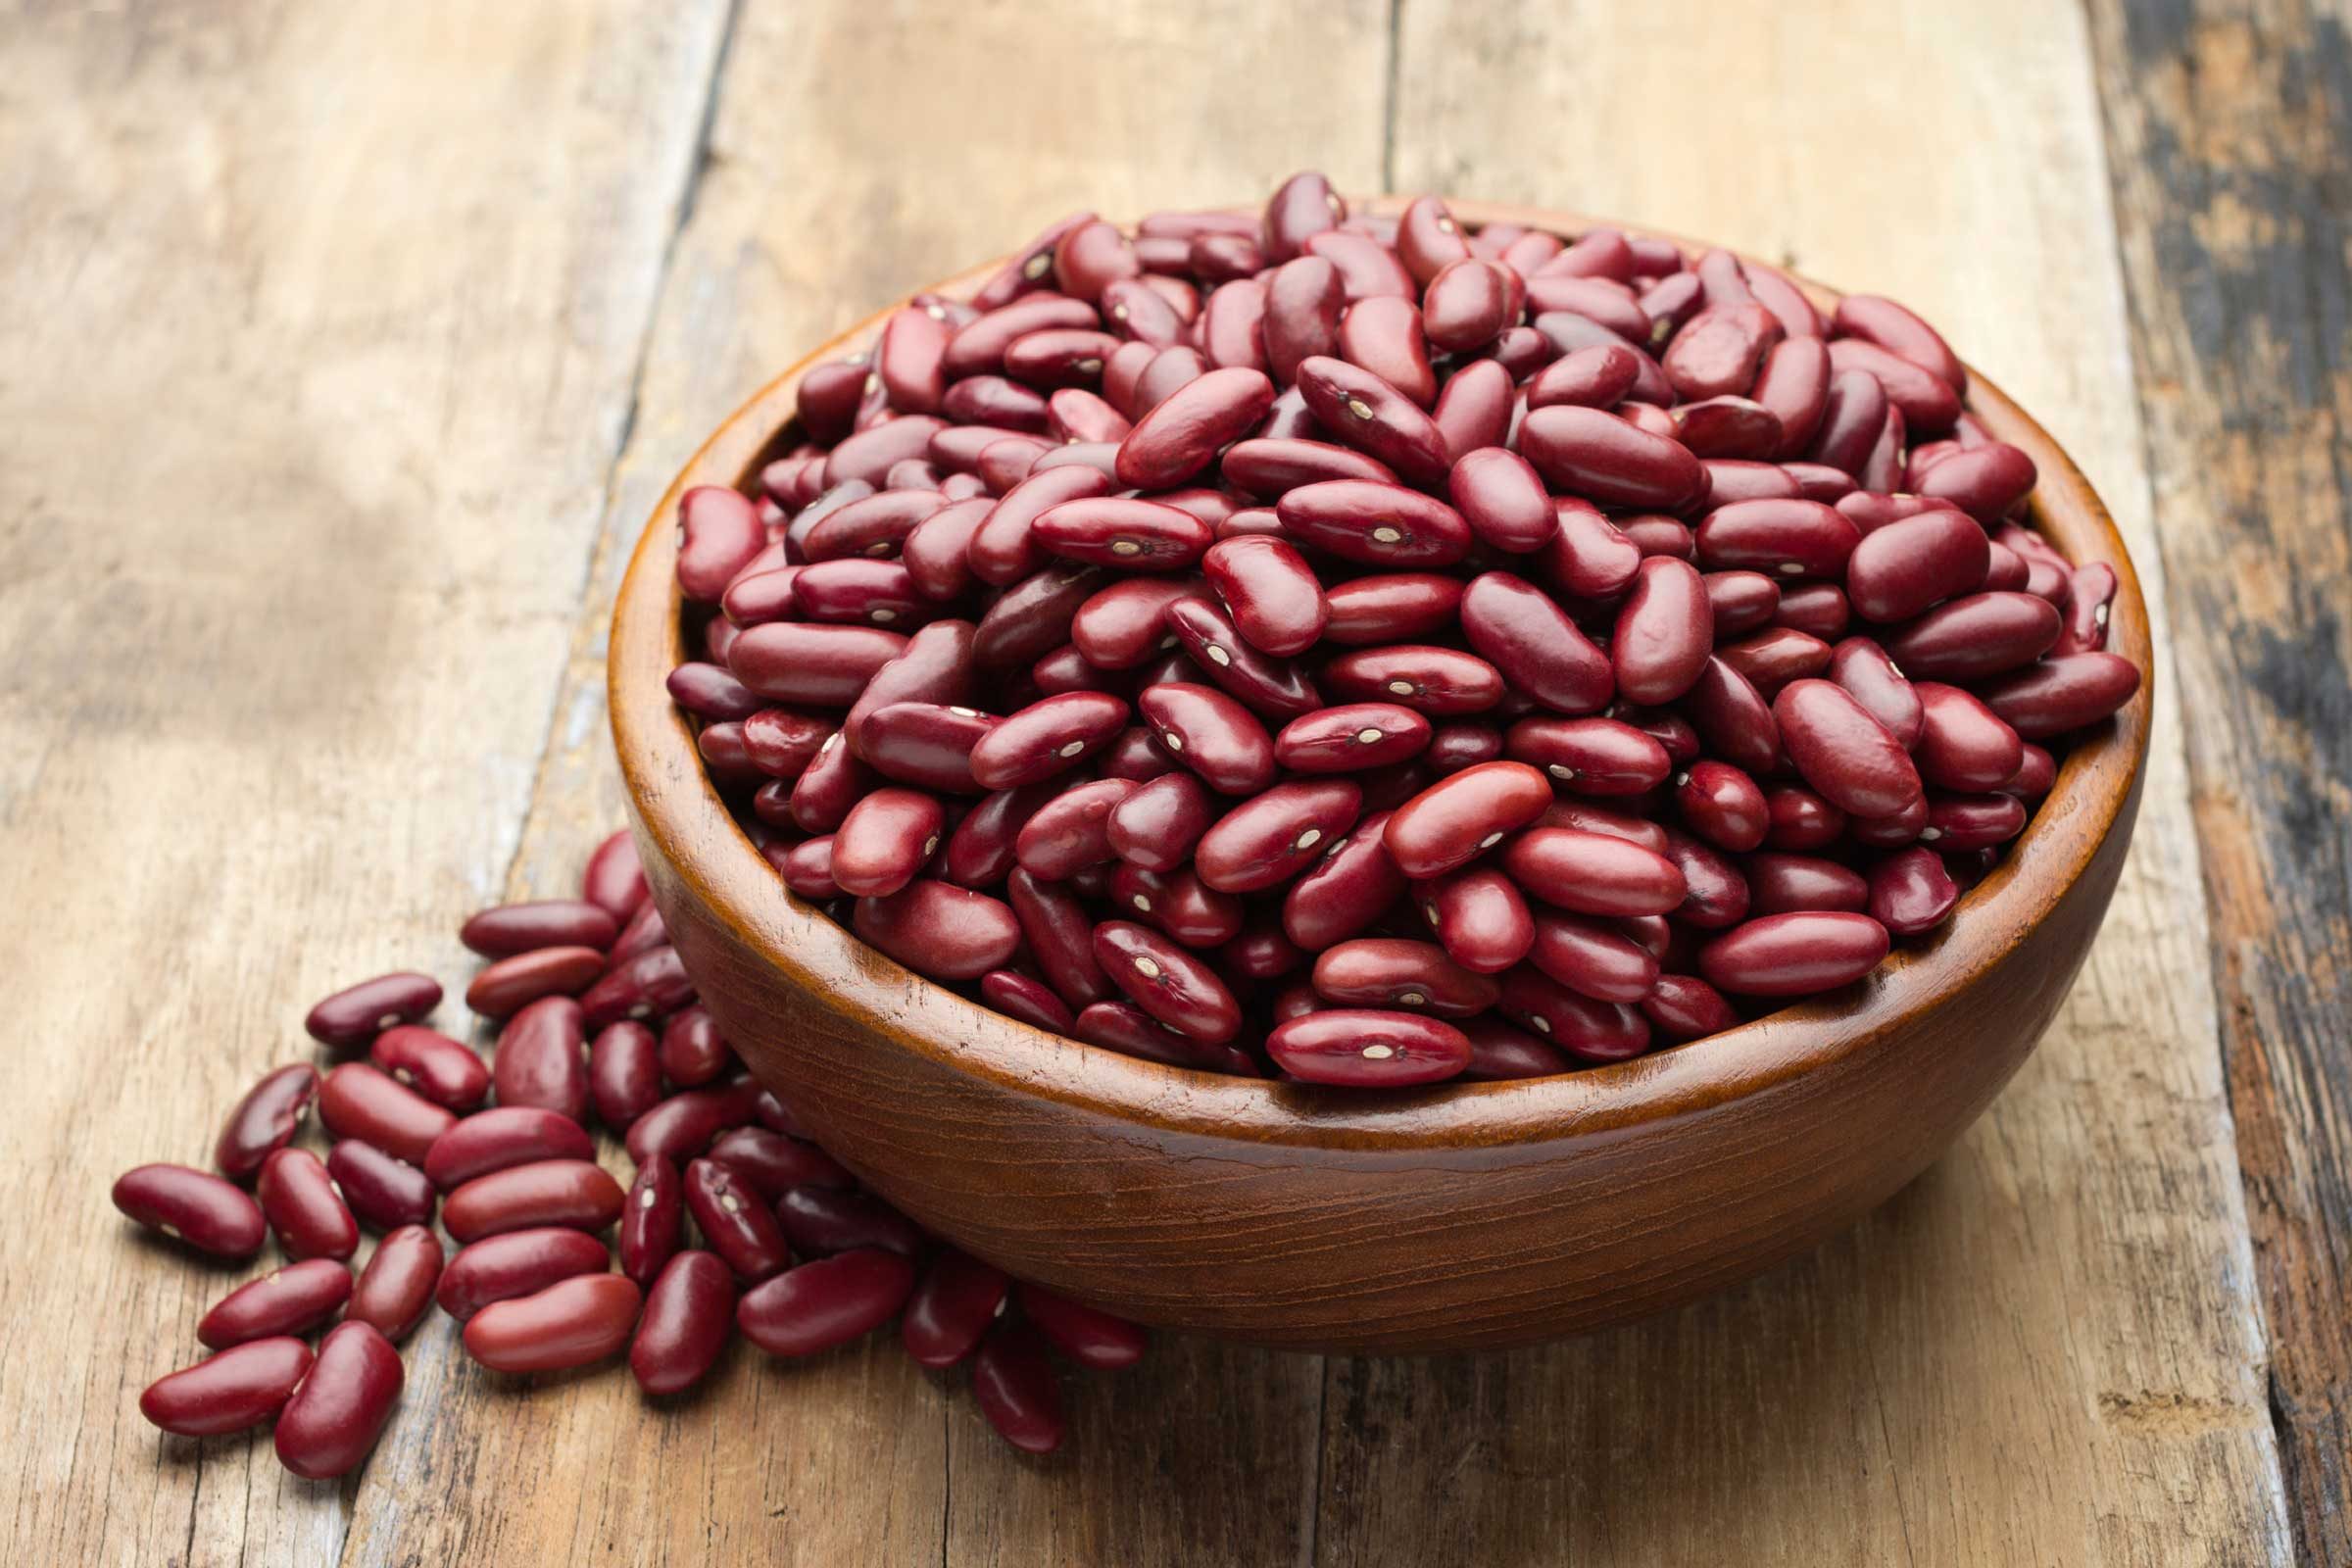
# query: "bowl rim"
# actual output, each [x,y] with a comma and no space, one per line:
[672,801]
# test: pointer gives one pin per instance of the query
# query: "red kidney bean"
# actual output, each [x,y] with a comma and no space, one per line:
[239,1388]
[614,880]
[1302,206]
[1503,1051]
[1304,300]
[357,1014]
[1911,892]
[936,553]
[1125,624]
[1157,825]
[1664,632]
[1959,823]
[1384,336]
[1877,319]
[1069,832]
[1592,960]
[1773,657]
[1907,565]
[335,1416]
[1270,468]
[1861,667]
[1817,608]
[1593,873]
[816,666]
[1585,1029]
[1166,981]
[688,1314]
[1852,418]
[443,1070]
[1271,836]
[1345,892]
[1178,904]
[1723,805]
[358,1101]
[692,1051]
[1738,601]
[781,745]
[2034,774]
[653,1219]
[772,1162]
[1350,738]
[1462,817]
[1781,883]
[508,929]
[1929,404]
[289,1300]
[1801,819]
[1479,917]
[2060,694]
[1795,955]
[1032,1002]
[1978,635]
[1794,383]
[397,1285]
[1589,755]
[825,1304]
[1465,306]
[1670,730]
[1474,406]
[1374,523]
[1368,414]
[807,869]
[1033,618]
[2090,597]
[1730,479]
[649,985]
[1598,375]
[1270,591]
[1368,1048]
[1271,687]
[539,1062]
[1059,934]
[1531,641]
[820,1219]
[1089,1337]
[939,930]
[1962,743]
[570,1192]
[1390,607]
[1728,429]
[1502,499]
[1368,268]
[501,1138]
[264,1121]
[1734,719]
[958,1298]
[869,526]
[1015,1387]
[1177,438]
[384,1193]
[1789,538]
[1715,894]
[1842,751]
[573,1323]
[547,972]
[924,744]
[1986,482]
[1683,1006]
[1595,455]
[516,1263]
[719,534]
[987,400]
[1719,350]
[1212,734]
[1890,832]
[886,839]
[1392,972]
[735,1221]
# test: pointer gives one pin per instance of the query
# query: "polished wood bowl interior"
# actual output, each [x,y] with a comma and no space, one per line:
[1462,1215]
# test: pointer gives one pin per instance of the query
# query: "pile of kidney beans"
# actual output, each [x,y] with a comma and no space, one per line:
[1375,652]
[599,1024]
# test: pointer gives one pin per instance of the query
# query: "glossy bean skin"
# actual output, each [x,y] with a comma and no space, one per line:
[335,1418]
[1525,634]
[1779,884]
[236,1388]
[1928,404]
[1894,328]
[569,1192]
[689,1312]
[396,1287]
[357,1014]
[1345,890]
[1589,755]
[1987,483]
[1962,822]
[956,1301]
[508,929]
[773,1162]
[1274,689]
[1273,836]
[501,1138]
[1016,1390]
[1045,738]
[1366,412]
[289,1300]
[692,1051]
[1059,933]
[645,986]
[1664,632]
[818,1306]
[1504,1050]
[1963,745]
[653,1219]
[1177,905]
[1911,565]
[540,1063]
[1091,1338]
[887,838]
[573,1323]
[1912,890]
[1463,815]
[939,930]
[447,1072]
[822,1219]
[1502,498]
[1715,894]
[1978,635]
[381,1191]
[265,1121]
[614,879]
[1171,984]
[1368,1048]
[1793,954]
[1585,1029]
[1351,736]
[806,665]
[500,1268]
[1683,1007]
[1479,918]
[1445,682]
[624,1073]
[1474,407]
[1719,352]
[735,1221]
[1592,960]
[1071,831]
[1395,972]
[1385,335]
[1212,734]
[1128,533]
[1593,453]
[1593,873]
[1723,805]
[1861,667]
[2065,693]
[1782,538]
[1155,825]
[1842,751]
[1375,523]
[358,1101]
[1031,1000]
[1390,608]
[1177,438]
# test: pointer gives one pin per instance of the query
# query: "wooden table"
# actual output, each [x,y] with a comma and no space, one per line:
[347,345]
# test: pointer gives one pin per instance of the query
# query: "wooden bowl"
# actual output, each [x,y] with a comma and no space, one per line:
[1463,1215]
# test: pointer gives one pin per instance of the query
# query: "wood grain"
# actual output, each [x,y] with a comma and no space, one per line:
[316,369]
[2047,1351]
[2231,129]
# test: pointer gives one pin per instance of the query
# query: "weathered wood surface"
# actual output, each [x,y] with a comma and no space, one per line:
[2230,128]
[346,351]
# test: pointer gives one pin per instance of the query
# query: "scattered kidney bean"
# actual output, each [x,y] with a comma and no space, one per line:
[397,1283]
[539,1061]
[359,1014]
[239,1388]
[823,1219]
[1085,1335]
[193,1207]
[689,1312]
[289,1300]
[265,1121]
[502,1137]
[958,1297]
[571,1323]
[510,984]
[335,1418]
[500,1268]
[382,1191]
[826,1303]
[549,1192]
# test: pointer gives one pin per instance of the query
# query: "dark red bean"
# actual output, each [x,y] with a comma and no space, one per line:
[1045,738]
[1961,823]
[1466,304]
[1502,499]
[289,1300]
[1503,1051]
[518,1263]
[2034,774]
[614,879]
[498,1139]
[1345,892]
[1794,382]
[573,1323]
[569,1192]
[1368,1048]
[1877,319]
[1375,523]
[1734,719]
[1781,883]
[1441,681]
[1461,816]
[1059,933]
[1390,607]
[510,984]
[1125,624]
[1070,832]
[1131,534]
[1981,634]
[1890,832]
[886,839]
[396,1287]
[1719,350]
[772,1162]
[688,1314]
[1032,1002]
[1350,738]
[1871,678]
[692,1051]
[1795,955]
[1963,745]
[266,1119]
[1592,960]
[512,928]
[1987,482]
[1178,904]
[384,1193]
[1683,1006]
[1784,538]
[958,1297]
[825,1219]
[719,534]
[1273,688]
[1015,1387]
[1525,634]
[1394,972]
[1817,608]
[1302,206]
[1902,568]
[358,1101]
[781,745]
[539,1060]
[335,1418]
[241,1386]
[624,1073]
[2090,598]
[1801,819]
[2065,693]
[1585,1029]
[1842,751]
[1166,981]
[653,1219]
[1595,455]
[1368,268]
[939,930]
[1384,334]
[1182,433]
[1270,468]
[1474,407]
[357,1014]
[928,745]
[1212,734]
[1911,891]
[825,1304]
[1664,632]
[1598,375]
[1715,894]
[1723,805]
[1589,755]
[445,1072]
[1087,1336]
[1479,918]
[1852,418]
[735,1221]
[1033,618]
[1591,874]
[1740,602]
[1274,834]
[1157,825]
[1368,414]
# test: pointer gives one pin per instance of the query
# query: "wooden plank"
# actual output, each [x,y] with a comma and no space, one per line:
[2047,1350]
[320,326]
[852,158]
[2227,125]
